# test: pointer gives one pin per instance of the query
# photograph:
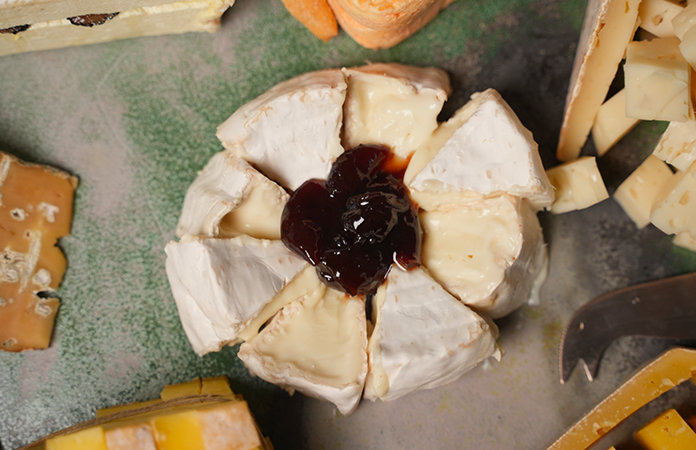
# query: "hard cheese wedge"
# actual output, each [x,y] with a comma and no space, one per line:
[36,205]
[667,432]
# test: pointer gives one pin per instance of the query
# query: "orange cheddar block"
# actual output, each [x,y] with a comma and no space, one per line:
[36,204]
[667,432]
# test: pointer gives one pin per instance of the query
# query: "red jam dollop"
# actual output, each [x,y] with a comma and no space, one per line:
[355,224]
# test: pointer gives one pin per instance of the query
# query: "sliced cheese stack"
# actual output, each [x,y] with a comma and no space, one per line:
[30,25]
[36,204]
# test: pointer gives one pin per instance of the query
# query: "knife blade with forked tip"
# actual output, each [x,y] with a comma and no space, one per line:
[663,309]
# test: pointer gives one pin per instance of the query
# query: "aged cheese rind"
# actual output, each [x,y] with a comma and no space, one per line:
[607,29]
[638,192]
[392,105]
[483,150]
[178,17]
[578,185]
[292,132]
[316,345]
[423,337]
[230,198]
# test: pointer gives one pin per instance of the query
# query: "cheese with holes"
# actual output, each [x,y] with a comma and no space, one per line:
[668,431]
[578,184]
[36,204]
[608,27]
[611,123]
[484,150]
[656,16]
[657,81]
[423,337]
[674,210]
[487,254]
[292,132]
[638,192]
[677,145]
[392,105]
[230,198]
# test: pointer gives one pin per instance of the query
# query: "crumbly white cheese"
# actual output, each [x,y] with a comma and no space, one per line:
[486,253]
[423,337]
[230,281]
[292,132]
[316,345]
[483,150]
[230,198]
[393,105]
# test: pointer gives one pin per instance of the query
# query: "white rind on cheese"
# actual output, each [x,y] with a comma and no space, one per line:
[483,150]
[316,345]
[656,16]
[393,105]
[423,337]
[292,132]
[638,192]
[611,123]
[230,280]
[608,27]
[578,185]
[488,253]
[674,210]
[677,145]
[231,198]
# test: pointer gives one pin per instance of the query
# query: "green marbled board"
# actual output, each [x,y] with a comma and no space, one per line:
[136,119]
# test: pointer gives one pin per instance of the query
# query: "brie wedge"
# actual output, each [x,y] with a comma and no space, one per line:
[292,132]
[482,151]
[230,198]
[316,345]
[423,337]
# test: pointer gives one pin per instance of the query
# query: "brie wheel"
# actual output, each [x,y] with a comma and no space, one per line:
[423,337]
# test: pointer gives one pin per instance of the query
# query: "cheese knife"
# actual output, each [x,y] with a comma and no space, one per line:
[663,309]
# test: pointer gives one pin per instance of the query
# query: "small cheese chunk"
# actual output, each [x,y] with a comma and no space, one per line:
[36,205]
[657,81]
[488,253]
[316,345]
[638,192]
[292,132]
[216,386]
[229,427]
[608,27]
[656,16]
[392,105]
[484,150]
[230,198]
[88,439]
[611,123]
[171,391]
[684,21]
[687,47]
[674,210]
[667,432]
[423,337]
[130,437]
[578,185]
[229,282]
[685,240]
[178,431]
[677,145]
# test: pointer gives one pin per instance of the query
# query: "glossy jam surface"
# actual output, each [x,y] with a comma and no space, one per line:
[354,225]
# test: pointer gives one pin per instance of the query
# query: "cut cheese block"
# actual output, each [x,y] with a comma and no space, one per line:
[87,439]
[607,29]
[393,105]
[611,123]
[668,431]
[36,204]
[578,185]
[685,240]
[488,254]
[292,132]
[230,198]
[178,17]
[684,21]
[379,24]
[229,282]
[316,345]
[130,437]
[423,337]
[638,192]
[484,150]
[674,210]
[656,16]
[677,145]
[657,81]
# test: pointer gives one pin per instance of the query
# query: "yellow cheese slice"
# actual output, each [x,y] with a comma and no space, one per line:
[87,439]
[216,386]
[35,211]
[179,431]
[611,123]
[667,432]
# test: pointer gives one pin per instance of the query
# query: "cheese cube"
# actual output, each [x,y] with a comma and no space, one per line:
[229,427]
[657,81]
[578,185]
[667,432]
[179,431]
[685,240]
[88,439]
[677,145]
[656,16]
[638,192]
[684,21]
[216,386]
[674,210]
[171,391]
[130,437]
[688,46]
[611,123]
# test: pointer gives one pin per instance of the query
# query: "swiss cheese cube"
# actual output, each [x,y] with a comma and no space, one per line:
[656,16]
[677,145]
[674,211]
[657,81]
[638,192]
[667,432]
[611,123]
[578,185]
